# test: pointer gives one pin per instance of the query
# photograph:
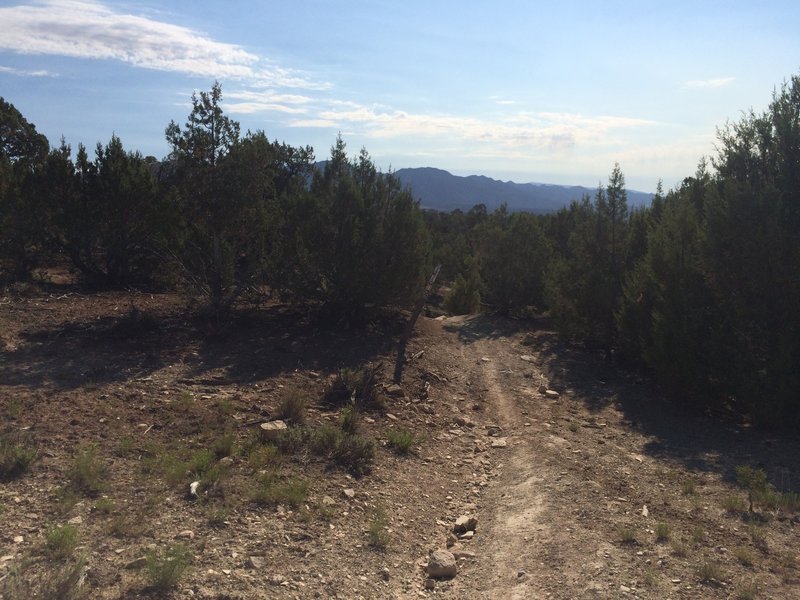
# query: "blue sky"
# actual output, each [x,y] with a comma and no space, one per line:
[554,92]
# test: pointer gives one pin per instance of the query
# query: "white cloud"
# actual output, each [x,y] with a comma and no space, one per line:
[92,30]
[553,132]
[248,102]
[710,83]
[26,73]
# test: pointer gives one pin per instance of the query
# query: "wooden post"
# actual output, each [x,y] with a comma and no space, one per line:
[401,350]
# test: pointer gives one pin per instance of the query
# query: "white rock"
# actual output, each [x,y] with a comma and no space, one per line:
[272,429]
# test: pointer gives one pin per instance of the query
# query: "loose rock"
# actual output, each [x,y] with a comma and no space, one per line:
[464,524]
[272,429]
[442,564]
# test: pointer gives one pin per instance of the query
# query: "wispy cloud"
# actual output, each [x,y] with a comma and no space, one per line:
[551,131]
[717,82]
[90,29]
[27,73]
[262,101]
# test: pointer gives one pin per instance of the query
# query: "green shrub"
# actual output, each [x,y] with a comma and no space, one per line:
[348,419]
[626,534]
[359,387]
[753,480]
[733,504]
[400,440]
[223,446]
[88,473]
[465,296]
[325,439]
[293,407]
[269,490]
[27,579]
[16,456]
[355,454]
[711,573]
[61,542]
[262,456]
[292,440]
[744,555]
[200,462]
[166,567]
[662,532]
[377,530]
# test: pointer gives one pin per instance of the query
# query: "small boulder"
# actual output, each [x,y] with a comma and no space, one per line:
[442,565]
[395,391]
[272,429]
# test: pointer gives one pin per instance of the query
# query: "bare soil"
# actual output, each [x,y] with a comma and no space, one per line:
[569,490]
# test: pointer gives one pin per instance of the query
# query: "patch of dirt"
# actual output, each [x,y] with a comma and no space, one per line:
[556,482]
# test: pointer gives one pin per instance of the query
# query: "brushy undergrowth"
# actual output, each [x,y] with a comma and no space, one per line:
[377,529]
[88,473]
[165,567]
[16,456]
[270,490]
[61,542]
[401,441]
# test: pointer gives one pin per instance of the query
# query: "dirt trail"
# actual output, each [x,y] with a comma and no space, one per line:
[587,474]
[514,522]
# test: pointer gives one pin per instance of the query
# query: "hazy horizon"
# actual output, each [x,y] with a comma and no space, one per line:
[548,94]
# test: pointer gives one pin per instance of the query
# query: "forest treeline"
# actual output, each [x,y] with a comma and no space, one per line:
[702,288]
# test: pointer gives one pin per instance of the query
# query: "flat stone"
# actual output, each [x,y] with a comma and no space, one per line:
[349,493]
[186,534]
[527,358]
[442,564]
[256,562]
[551,394]
[272,429]
[395,391]
[76,520]
[499,443]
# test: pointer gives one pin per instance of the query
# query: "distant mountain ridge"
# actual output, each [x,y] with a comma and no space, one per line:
[440,190]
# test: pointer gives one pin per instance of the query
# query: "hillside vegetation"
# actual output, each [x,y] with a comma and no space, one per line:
[701,287]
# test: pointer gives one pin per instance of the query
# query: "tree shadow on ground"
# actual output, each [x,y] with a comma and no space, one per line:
[256,345]
[471,328]
[676,430]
